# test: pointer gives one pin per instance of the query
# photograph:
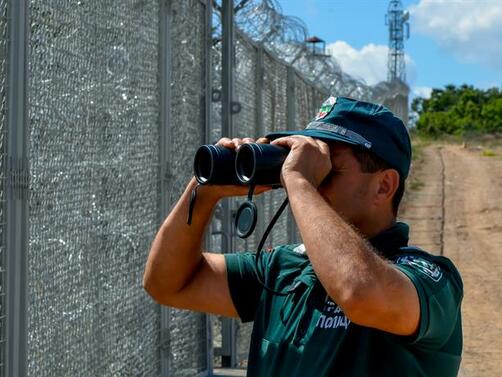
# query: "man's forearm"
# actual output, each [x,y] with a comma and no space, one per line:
[176,250]
[341,258]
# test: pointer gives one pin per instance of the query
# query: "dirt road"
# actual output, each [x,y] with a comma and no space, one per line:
[454,206]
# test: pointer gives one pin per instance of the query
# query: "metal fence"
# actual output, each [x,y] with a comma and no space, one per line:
[103,104]
[3,130]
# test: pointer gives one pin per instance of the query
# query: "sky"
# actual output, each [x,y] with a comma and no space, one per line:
[451,41]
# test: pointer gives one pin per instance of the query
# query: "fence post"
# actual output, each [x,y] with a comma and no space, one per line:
[208,83]
[229,343]
[164,153]
[17,189]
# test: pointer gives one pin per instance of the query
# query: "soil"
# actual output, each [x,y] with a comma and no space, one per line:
[454,207]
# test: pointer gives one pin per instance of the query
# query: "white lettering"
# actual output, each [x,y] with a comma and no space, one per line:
[328,323]
[320,322]
[333,322]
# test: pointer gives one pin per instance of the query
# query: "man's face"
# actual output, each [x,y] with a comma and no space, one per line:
[347,189]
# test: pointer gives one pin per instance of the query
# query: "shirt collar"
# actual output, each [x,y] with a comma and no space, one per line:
[392,239]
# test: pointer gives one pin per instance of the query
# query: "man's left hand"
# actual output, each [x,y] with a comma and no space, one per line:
[308,158]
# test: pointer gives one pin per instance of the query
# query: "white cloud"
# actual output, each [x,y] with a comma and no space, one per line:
[471,30]
[422,91]
[368,63]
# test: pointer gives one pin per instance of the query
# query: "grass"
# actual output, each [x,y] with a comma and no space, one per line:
[416,185]
[488,153]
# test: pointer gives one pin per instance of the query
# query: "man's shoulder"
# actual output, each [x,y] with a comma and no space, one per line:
[434,267]
[286,260]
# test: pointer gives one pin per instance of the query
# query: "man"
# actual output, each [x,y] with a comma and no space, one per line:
[358,301]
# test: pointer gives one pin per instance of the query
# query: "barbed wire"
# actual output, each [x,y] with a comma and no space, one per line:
[285,37]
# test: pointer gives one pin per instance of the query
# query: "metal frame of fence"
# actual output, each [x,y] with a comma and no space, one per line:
[16,189]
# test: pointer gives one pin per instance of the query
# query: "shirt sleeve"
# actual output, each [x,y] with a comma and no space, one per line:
[242,276]
[440,293]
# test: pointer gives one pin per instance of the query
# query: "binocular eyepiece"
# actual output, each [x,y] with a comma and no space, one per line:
[253,164]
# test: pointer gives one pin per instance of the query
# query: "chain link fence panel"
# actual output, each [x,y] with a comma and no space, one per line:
[94,142]
[187,343]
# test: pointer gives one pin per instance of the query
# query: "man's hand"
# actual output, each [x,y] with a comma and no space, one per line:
[222,191]
[308,158]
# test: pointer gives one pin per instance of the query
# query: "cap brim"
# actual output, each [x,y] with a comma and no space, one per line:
[316,134]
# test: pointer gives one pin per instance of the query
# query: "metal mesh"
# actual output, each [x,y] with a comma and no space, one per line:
[94,145]
[245,122]
[3,127]
[274,114]
[188,345]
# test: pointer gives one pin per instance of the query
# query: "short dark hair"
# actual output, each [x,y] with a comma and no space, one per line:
[371,163]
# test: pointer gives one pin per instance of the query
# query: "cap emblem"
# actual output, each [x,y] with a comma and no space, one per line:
[326,108]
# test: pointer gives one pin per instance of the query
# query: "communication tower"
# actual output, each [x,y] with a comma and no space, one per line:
[399,30]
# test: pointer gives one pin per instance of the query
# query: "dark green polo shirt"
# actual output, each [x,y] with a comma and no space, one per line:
[306,334]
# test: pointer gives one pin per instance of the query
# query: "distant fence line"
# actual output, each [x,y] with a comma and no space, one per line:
[103,104]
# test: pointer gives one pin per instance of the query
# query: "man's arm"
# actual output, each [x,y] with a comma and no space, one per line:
[177,273]
[370,290]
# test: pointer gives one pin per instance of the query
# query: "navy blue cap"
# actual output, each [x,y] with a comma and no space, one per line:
[370,126]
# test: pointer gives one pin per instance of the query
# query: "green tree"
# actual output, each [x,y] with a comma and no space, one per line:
[459,110]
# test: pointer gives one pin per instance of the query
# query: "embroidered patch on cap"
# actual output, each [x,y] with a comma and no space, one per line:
[422,265]
[326,108]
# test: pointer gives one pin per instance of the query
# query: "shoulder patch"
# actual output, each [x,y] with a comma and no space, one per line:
[423,265]
[326,108]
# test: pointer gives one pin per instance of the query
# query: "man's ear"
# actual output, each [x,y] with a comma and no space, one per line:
[388,182]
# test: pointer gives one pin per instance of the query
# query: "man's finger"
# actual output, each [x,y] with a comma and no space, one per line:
[263,140]
[225,142]
[323,146]
[286,140]
[237,142]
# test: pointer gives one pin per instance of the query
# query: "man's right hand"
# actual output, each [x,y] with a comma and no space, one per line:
[223,191]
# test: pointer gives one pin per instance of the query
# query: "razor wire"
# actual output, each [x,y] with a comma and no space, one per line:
[284,36]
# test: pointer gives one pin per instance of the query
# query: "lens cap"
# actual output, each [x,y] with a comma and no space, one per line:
[245,220]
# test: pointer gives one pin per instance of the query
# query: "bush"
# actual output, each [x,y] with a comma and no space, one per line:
[459,111]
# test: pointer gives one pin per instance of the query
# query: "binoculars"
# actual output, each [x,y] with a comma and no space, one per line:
[253,164]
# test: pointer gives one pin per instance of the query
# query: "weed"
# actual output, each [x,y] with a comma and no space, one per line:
[488,153]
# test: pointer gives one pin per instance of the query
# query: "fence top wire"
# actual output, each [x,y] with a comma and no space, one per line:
[283,37]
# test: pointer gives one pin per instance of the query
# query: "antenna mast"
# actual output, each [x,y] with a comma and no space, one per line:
[399,30]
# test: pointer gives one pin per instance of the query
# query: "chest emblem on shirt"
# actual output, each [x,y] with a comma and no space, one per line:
[332,316]
[422,265]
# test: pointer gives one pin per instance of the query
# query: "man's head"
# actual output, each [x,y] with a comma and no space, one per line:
[371,141]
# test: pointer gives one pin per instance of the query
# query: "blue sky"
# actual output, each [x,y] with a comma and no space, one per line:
[452,41]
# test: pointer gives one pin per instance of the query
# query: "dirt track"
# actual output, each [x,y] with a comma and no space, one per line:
[454,207]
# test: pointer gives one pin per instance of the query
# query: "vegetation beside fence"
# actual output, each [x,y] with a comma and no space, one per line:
[461,111]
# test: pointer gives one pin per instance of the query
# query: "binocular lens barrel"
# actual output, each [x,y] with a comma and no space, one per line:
[260,164]
[253,164]
[215,165]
